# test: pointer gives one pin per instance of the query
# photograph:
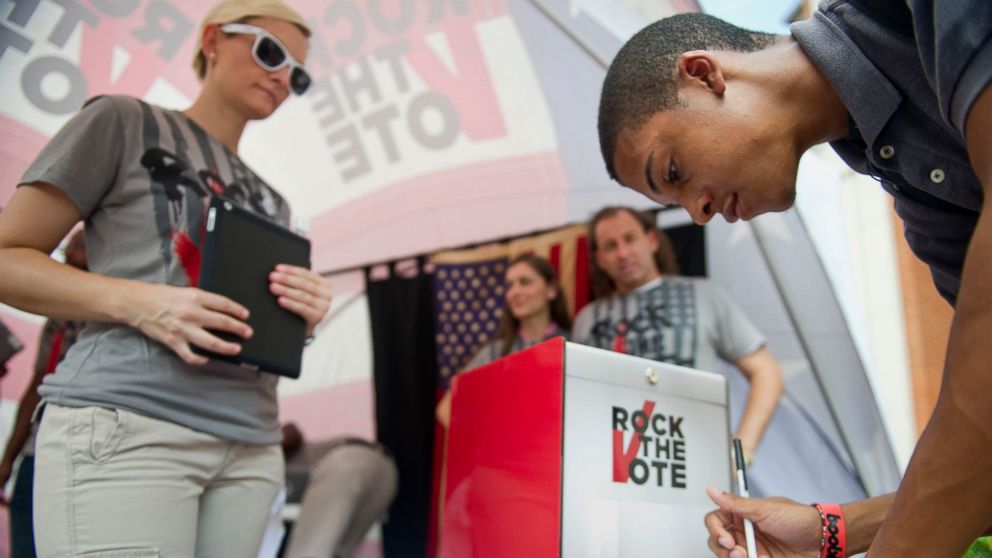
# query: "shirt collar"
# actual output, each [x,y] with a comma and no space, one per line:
[866,93]
[649,285]
[551,331]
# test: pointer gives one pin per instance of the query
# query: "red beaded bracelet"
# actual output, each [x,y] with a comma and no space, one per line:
[833,538]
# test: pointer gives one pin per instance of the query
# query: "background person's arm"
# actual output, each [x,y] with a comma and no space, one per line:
[443,410]
[765,376]
[945,499]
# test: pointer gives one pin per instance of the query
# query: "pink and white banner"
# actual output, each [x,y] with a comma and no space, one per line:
[431,123]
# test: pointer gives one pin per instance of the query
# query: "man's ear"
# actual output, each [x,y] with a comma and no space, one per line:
[653,241]
[703,68]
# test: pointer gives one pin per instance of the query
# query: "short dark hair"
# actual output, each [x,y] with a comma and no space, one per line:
[665,258]
[642,80]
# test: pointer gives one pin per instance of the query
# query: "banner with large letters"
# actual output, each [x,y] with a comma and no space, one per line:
[429,125]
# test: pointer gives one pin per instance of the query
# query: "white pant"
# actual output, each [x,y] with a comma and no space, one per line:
[112,483]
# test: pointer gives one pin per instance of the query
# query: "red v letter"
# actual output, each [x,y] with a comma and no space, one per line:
[470,88]
[622,459]
[145,65]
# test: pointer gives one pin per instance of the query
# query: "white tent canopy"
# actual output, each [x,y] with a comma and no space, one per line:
[438,124]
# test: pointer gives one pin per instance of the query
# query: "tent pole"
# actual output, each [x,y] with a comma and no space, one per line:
[876,466]
[553,18]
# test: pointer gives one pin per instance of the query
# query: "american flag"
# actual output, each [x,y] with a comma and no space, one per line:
[468,289]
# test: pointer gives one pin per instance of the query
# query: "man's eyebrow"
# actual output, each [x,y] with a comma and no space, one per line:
[647,174]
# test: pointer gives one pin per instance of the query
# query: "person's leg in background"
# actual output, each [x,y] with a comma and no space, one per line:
[350,488]
[21,522]
[380,482]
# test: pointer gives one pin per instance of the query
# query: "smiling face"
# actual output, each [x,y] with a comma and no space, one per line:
[527,292]
[709,159]
[244,84]
[625,251]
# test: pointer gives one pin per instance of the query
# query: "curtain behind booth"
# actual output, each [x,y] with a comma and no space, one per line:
[689,242]
[405,393]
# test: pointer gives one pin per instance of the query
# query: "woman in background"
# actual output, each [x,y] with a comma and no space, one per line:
[534,311]
[147,448]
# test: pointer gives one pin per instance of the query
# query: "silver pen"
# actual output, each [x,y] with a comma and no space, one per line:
[752,547]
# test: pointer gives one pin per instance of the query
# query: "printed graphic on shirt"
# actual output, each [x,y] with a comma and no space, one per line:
[659,324]
[181,192]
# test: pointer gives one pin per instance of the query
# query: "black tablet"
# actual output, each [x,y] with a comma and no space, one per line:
[240,250]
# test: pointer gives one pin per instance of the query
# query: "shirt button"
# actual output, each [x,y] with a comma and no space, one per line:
[937,176]
[887,151]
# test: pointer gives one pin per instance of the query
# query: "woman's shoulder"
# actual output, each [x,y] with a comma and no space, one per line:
[118,106]
[113,101]
[485,354]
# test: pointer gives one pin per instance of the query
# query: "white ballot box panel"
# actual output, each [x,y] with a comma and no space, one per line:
[642,440]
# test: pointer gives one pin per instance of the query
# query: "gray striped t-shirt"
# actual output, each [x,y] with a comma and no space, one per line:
[681,320]
[141,177]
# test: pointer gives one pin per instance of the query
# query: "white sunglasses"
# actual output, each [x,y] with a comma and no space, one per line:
[271,55]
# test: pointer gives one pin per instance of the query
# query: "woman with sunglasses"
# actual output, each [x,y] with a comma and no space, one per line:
[147,448]
[534,311]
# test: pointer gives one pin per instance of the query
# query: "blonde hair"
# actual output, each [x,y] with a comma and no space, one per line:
[229,11]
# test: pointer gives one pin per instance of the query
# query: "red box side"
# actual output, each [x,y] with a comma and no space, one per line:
[502,496]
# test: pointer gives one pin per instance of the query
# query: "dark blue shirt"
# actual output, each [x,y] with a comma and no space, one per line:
[908,86]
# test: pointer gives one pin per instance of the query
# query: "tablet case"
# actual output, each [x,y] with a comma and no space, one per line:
[240,250]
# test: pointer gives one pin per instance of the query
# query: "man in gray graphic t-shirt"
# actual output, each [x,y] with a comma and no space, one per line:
[680,320]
